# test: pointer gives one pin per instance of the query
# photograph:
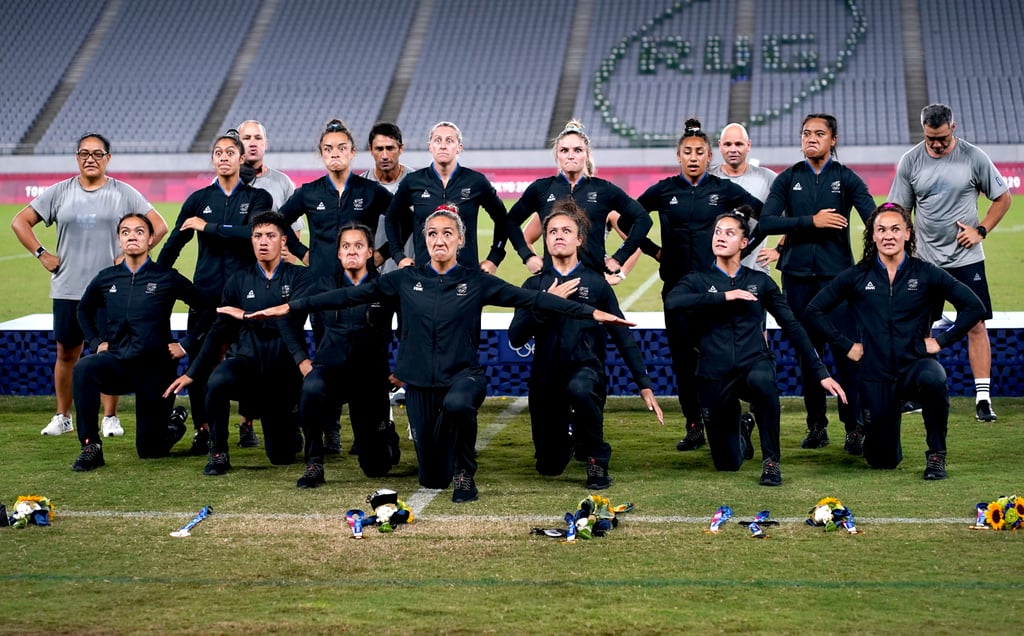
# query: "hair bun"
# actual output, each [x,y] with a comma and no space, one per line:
[692,125]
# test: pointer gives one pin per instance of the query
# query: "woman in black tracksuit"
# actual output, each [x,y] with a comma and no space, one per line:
[735,361]
[568,384]
[218,215]
[891,294]
[687,206]
[134,351]
[351,366]
[438,360]
[810,202]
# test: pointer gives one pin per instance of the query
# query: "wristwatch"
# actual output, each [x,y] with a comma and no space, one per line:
[40,251]
[983,231]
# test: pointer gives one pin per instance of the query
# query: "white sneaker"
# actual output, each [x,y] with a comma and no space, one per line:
[111,427]
[58,425]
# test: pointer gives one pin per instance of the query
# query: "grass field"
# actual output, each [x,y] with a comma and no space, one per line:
[25,286]
[272,559]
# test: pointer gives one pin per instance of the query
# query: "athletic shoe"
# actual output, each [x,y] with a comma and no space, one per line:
[910,407]
[935,466]
[312,477]
[771,473]
[747,424]
[855,442]
[694,437]
[200,442]
[398,396]
[218,464]
[176,424]
[59,424]
[983,412]
[90,458]
[465,489]
[817,437]
[332,443]
[597,475]
[111,426]
[247,437]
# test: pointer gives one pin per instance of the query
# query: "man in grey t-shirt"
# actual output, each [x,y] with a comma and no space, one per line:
[86,209]
[940,179]
[734,146]
[280,186]
[385,145]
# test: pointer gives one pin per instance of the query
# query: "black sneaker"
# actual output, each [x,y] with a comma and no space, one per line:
[313,477]
[747,424]
[332,443]
[597,475]
[465,490]
[694,437]
[855,442]
[817,437]
[983,412]
[910,407]
[247,437]
[90,458]
[200,442]
[176,425]
[935,466]
[218,464]
[771,473]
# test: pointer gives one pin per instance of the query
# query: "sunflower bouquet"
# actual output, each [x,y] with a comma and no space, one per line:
[831,514]
[1005,513]
[595,516]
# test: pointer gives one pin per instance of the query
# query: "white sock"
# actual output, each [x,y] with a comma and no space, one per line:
[981,389]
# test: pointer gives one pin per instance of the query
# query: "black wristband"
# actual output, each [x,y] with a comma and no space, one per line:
[983,231]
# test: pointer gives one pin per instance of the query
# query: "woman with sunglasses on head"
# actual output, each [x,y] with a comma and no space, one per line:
[86,209]
[810,202]
[596,197]
[445,181]
[438,360]
[218,216]
[687,206]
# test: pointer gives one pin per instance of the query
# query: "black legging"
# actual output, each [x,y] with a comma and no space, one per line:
[105,373]
[721,400]
[443,421]
[558,401]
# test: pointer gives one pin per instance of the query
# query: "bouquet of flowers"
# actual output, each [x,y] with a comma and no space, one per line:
[595,516]
[831,514]
[1005,513]
[31,509]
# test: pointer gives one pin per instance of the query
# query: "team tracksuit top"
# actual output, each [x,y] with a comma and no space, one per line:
[423,192]
[894,319]
[687,213]
[796,196]
[563,344]
[440,330]
[267,344]
[359,334]
[594,196]
[326,209]
[224,245]
[732,337]
[137,306]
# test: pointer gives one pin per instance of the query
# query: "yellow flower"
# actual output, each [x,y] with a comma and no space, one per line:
[994,516]
[1019,505]
[831,502]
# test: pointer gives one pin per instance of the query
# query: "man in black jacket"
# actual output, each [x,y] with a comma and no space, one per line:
[735,361]
[568,385]
[891,294]
[134,351]
[265,361]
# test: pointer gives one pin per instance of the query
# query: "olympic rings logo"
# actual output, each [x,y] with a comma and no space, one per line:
[524,351]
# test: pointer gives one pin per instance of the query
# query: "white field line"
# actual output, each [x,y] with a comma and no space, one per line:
[639,292]
[475,519]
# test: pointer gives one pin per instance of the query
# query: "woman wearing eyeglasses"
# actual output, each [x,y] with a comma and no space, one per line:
[218,215]
[86,209]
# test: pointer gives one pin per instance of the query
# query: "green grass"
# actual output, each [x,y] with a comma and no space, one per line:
[275,559]
[25,287]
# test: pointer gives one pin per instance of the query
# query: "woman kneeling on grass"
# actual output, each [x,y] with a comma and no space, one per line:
[440,303]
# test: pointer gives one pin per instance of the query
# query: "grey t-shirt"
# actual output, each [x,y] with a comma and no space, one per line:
[281,188]
[942,191]
[758,182]
[381,237]
[86,229]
